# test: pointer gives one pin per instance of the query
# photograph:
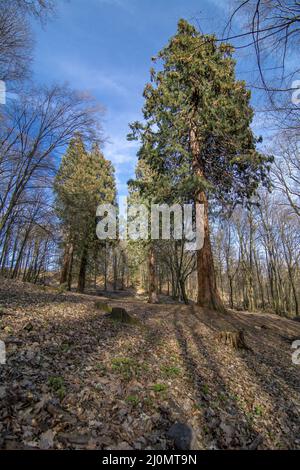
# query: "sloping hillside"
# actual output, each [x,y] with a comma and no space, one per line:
[76,379]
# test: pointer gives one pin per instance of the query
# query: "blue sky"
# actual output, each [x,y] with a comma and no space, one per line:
[105,47]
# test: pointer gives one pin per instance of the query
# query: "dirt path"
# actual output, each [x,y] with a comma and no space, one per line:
[75,379]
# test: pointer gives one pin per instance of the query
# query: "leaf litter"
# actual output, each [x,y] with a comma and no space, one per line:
[74,379]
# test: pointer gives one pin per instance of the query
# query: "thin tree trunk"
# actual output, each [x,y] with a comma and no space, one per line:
[153,299]
[82,270]
[105,267]
[66,263]
[115,269]
[231,291]
[70,271]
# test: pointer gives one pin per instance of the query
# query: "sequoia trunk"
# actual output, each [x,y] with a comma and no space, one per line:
[207,295]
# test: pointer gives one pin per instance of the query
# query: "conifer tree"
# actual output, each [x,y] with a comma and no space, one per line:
[84,180]
[196,135]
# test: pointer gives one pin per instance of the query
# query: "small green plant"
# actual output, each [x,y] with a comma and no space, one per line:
[170,372]
[58,386]
[205,389]
[8,329]
[159,388]
[119,362]
[132,400]
[258,410]
[128,367]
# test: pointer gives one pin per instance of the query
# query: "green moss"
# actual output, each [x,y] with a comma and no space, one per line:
[103,307]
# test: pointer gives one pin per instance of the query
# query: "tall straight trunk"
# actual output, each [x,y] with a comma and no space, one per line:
[231,291]
[70,270]
[68,254]
[258,275]
[5,250]
[208,295]
[82,270]
[95,267]
[291,274]
[41,264]
[14,253]
[159,280]
[174,288]
[105,267]
[123,272]
[153,299]
[115,270]
[20,255]
[251,293]
[25,271]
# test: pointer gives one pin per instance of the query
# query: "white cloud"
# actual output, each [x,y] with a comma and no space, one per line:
[88,78]
[119,151]
[122,154]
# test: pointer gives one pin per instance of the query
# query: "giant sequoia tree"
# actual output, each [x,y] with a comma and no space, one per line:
[196,134]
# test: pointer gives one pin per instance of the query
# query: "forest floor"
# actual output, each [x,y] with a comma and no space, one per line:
[74,379]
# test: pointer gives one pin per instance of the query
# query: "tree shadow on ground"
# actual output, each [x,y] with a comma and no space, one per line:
[268,344]
[70,354]
[268,361]
[210,414]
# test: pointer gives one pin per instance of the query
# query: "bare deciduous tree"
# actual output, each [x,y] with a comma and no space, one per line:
[35,127]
